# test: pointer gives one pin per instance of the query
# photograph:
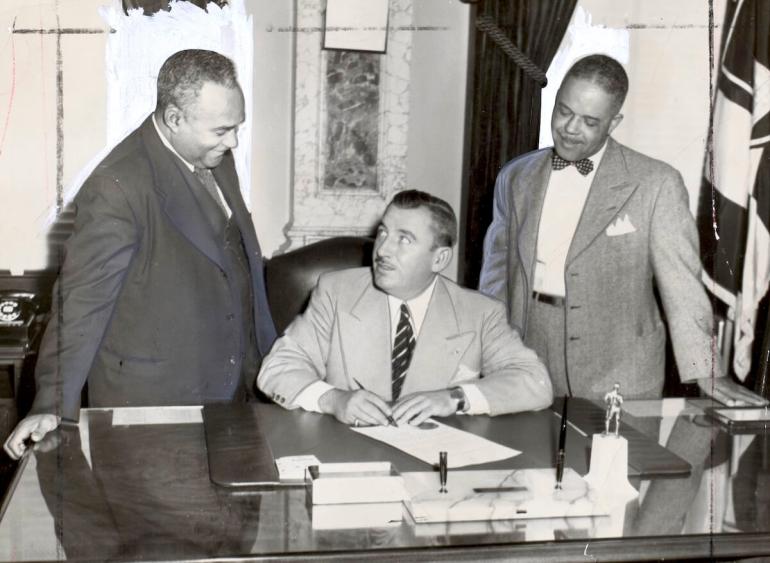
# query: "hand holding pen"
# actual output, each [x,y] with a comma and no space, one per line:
[386,411]
[357,407]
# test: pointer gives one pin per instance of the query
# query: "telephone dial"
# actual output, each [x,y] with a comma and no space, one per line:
[17,311]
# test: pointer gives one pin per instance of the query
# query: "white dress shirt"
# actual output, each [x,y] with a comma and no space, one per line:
[565,197]
[189,166]
[418,308]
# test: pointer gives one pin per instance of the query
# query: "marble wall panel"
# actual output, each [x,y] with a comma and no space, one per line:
[351,115]
[352,107]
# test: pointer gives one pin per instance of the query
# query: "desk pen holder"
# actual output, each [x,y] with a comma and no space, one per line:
[608,474]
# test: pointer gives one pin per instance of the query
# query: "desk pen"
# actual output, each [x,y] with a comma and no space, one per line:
[562,444]
[391,421]
[443,470]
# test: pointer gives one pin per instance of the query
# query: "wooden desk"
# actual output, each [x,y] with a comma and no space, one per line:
[134,484]
[242,440]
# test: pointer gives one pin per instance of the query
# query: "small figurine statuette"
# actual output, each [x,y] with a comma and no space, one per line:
[613,400]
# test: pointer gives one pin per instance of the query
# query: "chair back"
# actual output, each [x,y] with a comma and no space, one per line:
[291,277]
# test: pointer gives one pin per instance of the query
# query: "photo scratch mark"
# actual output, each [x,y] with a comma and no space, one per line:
[671,26]
[586,554]
[7,119]
[710,132]
[57,31]
[63,31]
[44,100]
[59,123]
[321,29]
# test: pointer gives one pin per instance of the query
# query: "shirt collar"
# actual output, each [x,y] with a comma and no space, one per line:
[168,145]
[597,157]
[418,306]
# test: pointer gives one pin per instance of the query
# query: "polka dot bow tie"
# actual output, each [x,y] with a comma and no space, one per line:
[584,165]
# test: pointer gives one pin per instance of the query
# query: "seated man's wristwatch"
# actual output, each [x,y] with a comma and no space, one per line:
[457,394]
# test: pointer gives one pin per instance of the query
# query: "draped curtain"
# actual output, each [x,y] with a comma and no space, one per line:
[504,107]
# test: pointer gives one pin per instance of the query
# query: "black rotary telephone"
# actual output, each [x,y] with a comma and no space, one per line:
[17,311]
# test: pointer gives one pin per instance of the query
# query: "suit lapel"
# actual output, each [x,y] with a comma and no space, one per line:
[528,202]
[609,191]
[365,341]
[179,203]
[440,344]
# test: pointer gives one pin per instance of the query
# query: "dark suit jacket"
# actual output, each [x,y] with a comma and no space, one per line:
[636,228]
[145,306]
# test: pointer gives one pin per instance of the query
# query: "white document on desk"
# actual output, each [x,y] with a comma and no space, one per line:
[131,416]
[425,443]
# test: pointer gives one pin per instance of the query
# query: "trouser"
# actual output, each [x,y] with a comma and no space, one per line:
[545,335]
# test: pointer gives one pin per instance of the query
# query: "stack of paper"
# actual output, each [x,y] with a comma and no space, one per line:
[293,467]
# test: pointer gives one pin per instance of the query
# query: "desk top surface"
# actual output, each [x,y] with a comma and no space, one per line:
[135,484]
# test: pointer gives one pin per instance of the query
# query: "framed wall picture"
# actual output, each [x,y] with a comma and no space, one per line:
[356,25]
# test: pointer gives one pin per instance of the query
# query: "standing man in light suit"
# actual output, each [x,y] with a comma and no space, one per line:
[581,234]
[400,340]
[161,297]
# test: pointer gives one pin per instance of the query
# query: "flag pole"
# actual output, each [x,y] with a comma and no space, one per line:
[762,383]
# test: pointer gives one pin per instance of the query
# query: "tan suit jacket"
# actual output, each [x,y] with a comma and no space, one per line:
[636,232]
[345,334]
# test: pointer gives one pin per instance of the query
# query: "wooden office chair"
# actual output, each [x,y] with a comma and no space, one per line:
[291,277]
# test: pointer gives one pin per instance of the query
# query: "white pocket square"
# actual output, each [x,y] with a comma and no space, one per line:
[621,226]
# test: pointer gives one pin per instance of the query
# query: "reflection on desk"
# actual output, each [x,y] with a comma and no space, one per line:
[142,491]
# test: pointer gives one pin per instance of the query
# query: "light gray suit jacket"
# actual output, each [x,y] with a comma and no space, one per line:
[614,330]
[345,334]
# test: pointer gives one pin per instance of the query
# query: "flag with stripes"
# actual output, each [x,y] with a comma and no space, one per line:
[734,212]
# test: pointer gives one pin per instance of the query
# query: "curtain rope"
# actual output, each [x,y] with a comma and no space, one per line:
[488,26]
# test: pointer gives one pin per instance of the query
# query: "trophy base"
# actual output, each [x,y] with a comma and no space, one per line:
[608,474]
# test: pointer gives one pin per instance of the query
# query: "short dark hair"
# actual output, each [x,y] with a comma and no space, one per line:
[444,224]
[604,71]
[183,74]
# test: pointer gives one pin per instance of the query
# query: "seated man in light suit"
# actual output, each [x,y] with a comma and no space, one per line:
[399,342]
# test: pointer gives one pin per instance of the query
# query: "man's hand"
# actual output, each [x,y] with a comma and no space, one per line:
[728,392]
[34,427]
[355,407]
[418,407]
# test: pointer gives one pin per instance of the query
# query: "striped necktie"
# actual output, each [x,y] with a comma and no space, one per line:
[207,179]
[403,346]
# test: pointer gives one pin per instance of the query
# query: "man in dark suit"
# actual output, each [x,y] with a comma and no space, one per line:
[161,297]
[579,234]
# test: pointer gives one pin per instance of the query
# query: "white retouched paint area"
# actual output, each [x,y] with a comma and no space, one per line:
[665,115]
[664,47]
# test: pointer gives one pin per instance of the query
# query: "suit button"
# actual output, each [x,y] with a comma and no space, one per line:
[230,317]
[232,360]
